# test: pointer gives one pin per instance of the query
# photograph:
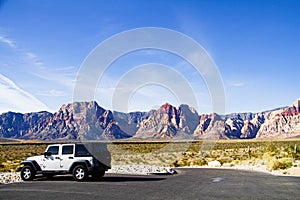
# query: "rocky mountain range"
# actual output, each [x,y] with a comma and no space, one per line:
[87,120]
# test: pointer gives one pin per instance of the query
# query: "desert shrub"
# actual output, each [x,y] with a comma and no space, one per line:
[272,148]
[175,164]
[223,160]
[179,163]
[200,162]
[277,154]
[189,161]
[268,156]
[12,155]
[282,163]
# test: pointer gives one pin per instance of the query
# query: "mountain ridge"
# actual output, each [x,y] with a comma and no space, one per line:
[87,120]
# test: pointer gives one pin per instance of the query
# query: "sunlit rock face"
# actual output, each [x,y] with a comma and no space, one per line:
[169,122]
[89,121]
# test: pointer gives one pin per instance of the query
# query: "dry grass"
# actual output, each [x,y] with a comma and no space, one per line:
[277,154]
[12,154]
[280,152]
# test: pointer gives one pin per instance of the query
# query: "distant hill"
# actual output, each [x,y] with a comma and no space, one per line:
[89,121]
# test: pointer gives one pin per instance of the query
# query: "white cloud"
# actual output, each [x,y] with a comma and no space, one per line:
[237,84]
[8,41]
[15,99]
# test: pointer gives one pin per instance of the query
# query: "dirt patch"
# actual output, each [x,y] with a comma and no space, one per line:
[294,171]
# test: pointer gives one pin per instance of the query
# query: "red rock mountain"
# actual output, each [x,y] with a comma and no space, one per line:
[283,125]
[84,120]
[169,122]
[87,120]
[278,123]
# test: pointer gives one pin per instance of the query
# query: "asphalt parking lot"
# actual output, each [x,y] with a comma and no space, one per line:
[187,184]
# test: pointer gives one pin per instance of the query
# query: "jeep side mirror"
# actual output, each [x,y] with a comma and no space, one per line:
[47,154]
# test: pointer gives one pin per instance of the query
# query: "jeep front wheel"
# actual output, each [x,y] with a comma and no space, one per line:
[27,173]
[80,173]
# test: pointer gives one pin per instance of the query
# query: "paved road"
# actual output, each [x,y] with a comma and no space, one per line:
[187,184]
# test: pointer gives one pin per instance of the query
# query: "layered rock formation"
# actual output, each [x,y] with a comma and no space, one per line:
[211,126]
[73,121]
[283,124]
[87,120]
[129,122]
[277,123]
[16,125]
[169,122]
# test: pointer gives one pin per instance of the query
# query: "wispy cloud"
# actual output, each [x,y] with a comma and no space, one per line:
[147,85]
[30,56]
[33,58]
[13,98]
[52,93]
[11,43]
[30,69]
[62,76]
[237,84]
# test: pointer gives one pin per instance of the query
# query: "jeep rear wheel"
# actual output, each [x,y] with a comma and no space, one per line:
[80,173]
[99,174]
[27,173]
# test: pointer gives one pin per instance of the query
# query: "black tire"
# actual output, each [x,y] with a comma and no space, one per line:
[98,175]
[101,173]
[80,173]
[27,173]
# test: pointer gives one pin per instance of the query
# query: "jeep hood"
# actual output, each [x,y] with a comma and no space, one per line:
[34,158]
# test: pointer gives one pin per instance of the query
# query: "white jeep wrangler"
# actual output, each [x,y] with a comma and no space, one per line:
[80,160]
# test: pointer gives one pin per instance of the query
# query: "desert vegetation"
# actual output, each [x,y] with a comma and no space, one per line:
[12,154]
[275,154]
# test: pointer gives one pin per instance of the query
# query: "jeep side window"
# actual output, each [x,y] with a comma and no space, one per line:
[53,150]
[81,151]
[67,150]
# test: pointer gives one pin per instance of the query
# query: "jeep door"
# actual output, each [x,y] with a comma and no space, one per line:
[67,156]
[52,161]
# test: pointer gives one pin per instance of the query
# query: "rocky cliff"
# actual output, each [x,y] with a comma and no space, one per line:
[211,126]
[277,123]
[16,125]
[169,122]
[84,120]
[129,122]
[87,120]
[283,124]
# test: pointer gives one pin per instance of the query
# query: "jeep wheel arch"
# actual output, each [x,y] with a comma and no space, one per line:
[33,164]
[83,163]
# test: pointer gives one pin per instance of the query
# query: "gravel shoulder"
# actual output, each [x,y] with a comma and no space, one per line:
[12,177]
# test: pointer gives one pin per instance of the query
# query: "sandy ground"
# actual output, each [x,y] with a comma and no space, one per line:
[294,171]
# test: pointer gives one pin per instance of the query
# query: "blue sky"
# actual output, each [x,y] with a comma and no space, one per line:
[254,44]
